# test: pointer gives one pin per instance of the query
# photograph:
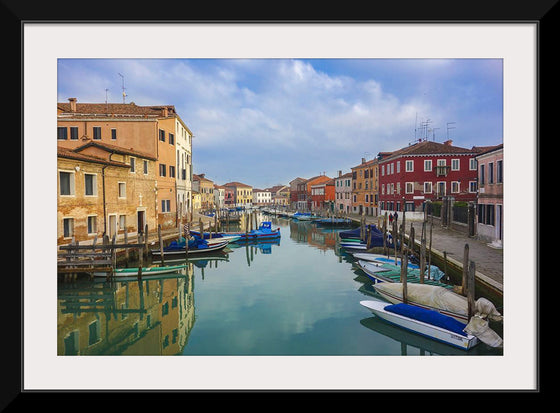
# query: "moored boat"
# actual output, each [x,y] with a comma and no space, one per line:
[196,246]
[130,271]
[428,323]
[265,231]
[391,273]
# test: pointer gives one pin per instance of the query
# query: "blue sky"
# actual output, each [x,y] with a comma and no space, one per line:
[267,121]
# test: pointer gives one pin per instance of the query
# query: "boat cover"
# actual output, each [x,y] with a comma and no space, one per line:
[428,316]
[444,299]
[375,234]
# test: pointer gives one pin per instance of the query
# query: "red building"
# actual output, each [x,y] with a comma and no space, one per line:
[229,197]
[424,171]
[322,195]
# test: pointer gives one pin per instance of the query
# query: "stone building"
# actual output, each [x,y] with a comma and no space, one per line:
[102,189]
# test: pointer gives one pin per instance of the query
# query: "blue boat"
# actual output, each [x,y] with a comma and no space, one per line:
[333,222]
[196,246]
[264,231]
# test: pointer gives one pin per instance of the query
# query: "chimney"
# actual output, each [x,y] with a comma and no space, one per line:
[339,174]
[363,160]
[448,142]
[72,104]
[164,111]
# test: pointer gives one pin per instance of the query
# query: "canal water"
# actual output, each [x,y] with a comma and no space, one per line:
[297,296]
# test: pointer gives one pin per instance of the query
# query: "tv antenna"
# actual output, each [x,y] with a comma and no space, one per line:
[123,88]
[453,127]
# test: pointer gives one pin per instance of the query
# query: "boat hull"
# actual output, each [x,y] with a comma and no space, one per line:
[434,332]
[427,296]
[127,272]
[192,251]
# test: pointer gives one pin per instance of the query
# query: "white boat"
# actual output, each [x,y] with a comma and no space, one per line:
[431,297]
[228,238]
[427,323]
[133,271]
[367,256]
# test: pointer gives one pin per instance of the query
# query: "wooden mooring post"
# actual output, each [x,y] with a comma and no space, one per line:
[404,275]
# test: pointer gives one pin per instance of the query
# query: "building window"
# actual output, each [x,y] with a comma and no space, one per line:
[132,165]
[94,333]
[90,181]
[171,171]
[481,180]
[454,187]
[162,170]
[66,183]
[72,343]
[486,214]
[96,132]
[62,133]
[122,190]
[491,173]
[409,166]
[499,172]
[427,187]
[172,139]
[427,165]
[68,227]
[472,164]
[113,134]
[472,186]
[145,167]
[455,164]
[74,132]
[122,221]
[162,135]
[409,187]
[441,189]
[92,225]
[165,205]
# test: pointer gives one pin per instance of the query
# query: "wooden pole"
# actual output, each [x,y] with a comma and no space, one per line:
[430,249]
[126,242]
[160,245]
[395,238]
[423,252]
[445,264]
[140,255]
[404,275]
[464,282]
[146,239]
[471,289]
[411,238]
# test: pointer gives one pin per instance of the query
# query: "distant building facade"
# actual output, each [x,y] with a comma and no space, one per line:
[490,202]
[343,192]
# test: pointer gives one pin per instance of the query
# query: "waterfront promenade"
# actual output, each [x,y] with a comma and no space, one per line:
[489,261]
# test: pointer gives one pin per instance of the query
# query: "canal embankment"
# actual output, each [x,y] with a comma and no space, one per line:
[448,251]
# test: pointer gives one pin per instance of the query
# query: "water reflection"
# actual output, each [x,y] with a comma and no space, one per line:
[296,298]
[152,316]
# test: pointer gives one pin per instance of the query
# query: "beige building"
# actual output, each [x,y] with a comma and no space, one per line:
[150,130]
[205,187]
[102,189]
[243,193]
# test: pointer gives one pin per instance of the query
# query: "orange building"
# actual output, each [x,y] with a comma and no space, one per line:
[147,129]
[322,195]
[305,201]
[364,187]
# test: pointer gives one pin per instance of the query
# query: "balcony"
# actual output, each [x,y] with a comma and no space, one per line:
[442,170]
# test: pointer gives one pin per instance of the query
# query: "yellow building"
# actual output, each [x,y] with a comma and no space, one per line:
[364,187]
[148,129]
[243,193]
[102,189]
[205,188]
